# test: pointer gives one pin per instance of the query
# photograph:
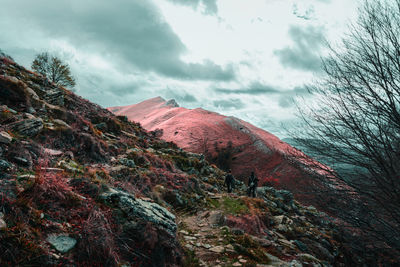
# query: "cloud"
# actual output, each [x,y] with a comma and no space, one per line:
[180,96]
[306,14]
[132,33]
[285,96]
[229,103]
[210,6]
[255,88]
[304,55]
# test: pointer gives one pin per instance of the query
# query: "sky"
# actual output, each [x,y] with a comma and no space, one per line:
[247,59]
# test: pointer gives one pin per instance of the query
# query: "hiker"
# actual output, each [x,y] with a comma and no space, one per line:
[229,181]
[253,182]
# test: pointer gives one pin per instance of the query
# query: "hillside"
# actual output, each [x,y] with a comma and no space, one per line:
[80,186]
[252,148]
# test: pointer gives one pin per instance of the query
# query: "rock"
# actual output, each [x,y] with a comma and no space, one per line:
[28,127]
[4,108]
[54,96]
[69,155]
[286,243]
[173,198]
[286,196]
[61,123]
[4,165]
[61,243]
[282,219]
[217,249]
[127,162]
[136,208]
[32,93]
[25,181]
[13,79]
[308,257]
[171,103]
[242,261]
[301,245]
[282,228]
[31,110]
[236,264]
[3,224]
[101,126]
[207,246]
[189,238]
[229,248]
[217,218]
[52,152]
[5,138]
[237,231]
[189,247]
[274,261]
[262,241]
[70,166]
[295,263]
[321,252]
[183,232]
[23,160]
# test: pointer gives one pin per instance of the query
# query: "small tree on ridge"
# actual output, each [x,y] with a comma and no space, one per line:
[54,69]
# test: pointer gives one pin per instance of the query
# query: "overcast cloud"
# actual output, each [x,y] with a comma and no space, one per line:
[241,58]
[304,54]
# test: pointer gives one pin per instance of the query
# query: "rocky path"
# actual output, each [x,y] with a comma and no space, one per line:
[212,243]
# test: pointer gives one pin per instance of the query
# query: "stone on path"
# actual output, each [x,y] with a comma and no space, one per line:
[217,249]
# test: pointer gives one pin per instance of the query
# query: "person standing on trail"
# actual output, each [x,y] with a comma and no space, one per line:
[229,181]
[253,183]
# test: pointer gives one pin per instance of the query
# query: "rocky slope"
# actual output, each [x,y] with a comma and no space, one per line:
[251,148]
[80,186]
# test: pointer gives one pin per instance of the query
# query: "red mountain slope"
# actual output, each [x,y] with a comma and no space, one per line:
[198,130]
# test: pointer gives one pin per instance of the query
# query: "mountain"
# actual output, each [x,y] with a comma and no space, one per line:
[245,147]
[80,186]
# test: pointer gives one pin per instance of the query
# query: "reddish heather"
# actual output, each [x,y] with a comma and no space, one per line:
[197,130]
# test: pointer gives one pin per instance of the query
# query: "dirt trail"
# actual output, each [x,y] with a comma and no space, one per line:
[203,235]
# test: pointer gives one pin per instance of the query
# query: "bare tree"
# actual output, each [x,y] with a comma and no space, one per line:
[54,69]
[353,124]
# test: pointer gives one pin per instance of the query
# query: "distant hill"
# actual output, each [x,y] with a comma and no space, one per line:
[246,147]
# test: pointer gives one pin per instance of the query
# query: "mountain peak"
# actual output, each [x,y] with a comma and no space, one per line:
[172,103]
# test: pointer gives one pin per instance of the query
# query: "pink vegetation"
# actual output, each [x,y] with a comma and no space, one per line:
[198,130]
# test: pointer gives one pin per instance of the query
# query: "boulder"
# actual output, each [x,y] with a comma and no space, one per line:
[32,93]
[54,97]
[5,138]
[286,196]
[136,208]
[127,162]
[28,127]
[61,243]
[303,247]
[217,218]
[175,199]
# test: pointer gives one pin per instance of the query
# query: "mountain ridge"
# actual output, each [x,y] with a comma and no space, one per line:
[80,186]
[253,149]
